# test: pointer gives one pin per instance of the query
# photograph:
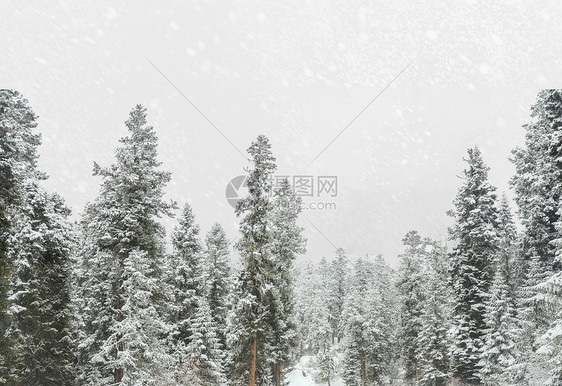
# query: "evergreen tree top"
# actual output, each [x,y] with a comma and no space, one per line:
[475,200]
[216,238]
[263,163]
[18,142]
[548,105]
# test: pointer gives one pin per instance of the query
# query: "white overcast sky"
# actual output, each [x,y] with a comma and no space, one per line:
[299,72]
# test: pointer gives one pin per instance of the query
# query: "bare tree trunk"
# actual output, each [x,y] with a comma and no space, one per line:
[253,360]
[119,372]
[363,373]
[277,373]
[118,375]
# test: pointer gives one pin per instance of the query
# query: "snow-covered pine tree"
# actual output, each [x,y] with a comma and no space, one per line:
[538,188]
[18,156]
[509,244]
[434,342]
[123,247]
[320,318]
[42,325]
[311,308]
[139,328]
[337,293]
[217,279]
[475,235]
[369,324]
[248,324]
[549,293]
[382,306]
[186,265]
[325,362]
[306,289]
[548,296]
[286,244]
[205,355]
[355,337]
[354,356]
[500,358]
[412,288]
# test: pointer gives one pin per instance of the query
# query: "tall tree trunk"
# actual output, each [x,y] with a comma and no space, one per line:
[363,373]
[277,373]
[253,360]
[118,375]
[119,372]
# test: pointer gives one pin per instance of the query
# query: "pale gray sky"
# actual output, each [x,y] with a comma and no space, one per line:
[299,72]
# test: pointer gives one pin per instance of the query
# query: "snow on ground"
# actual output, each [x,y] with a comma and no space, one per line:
[303,375]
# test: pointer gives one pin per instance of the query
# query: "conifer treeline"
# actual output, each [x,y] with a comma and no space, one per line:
[488,311]
[103,302]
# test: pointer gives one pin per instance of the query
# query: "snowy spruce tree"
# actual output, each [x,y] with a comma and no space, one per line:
[186,281]
[538,188]
[286,244]
[326,363]
[217,280]
[18,157]
[42,322]
[36,345]
[424,311]
[472,260]
[121,259]
[337,292]
[412,287]
[204,352]
[138,331]
[248,327]
[306,288]
[311,308]
[435,319]
[369,318]
[548,297]
[501,355]
[314,321]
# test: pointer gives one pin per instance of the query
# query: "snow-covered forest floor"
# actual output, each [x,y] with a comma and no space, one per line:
[304,372]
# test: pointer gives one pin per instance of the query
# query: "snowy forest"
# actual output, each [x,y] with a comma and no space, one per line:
[107,300]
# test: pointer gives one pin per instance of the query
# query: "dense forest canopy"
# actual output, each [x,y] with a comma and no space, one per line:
[103,301]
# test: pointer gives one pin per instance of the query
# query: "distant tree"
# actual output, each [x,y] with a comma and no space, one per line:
[434,341]
[412,285]
[307,304]
[205,356]
[370,333]
[326,364]
[186,280]
[217,279]
[337,290]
